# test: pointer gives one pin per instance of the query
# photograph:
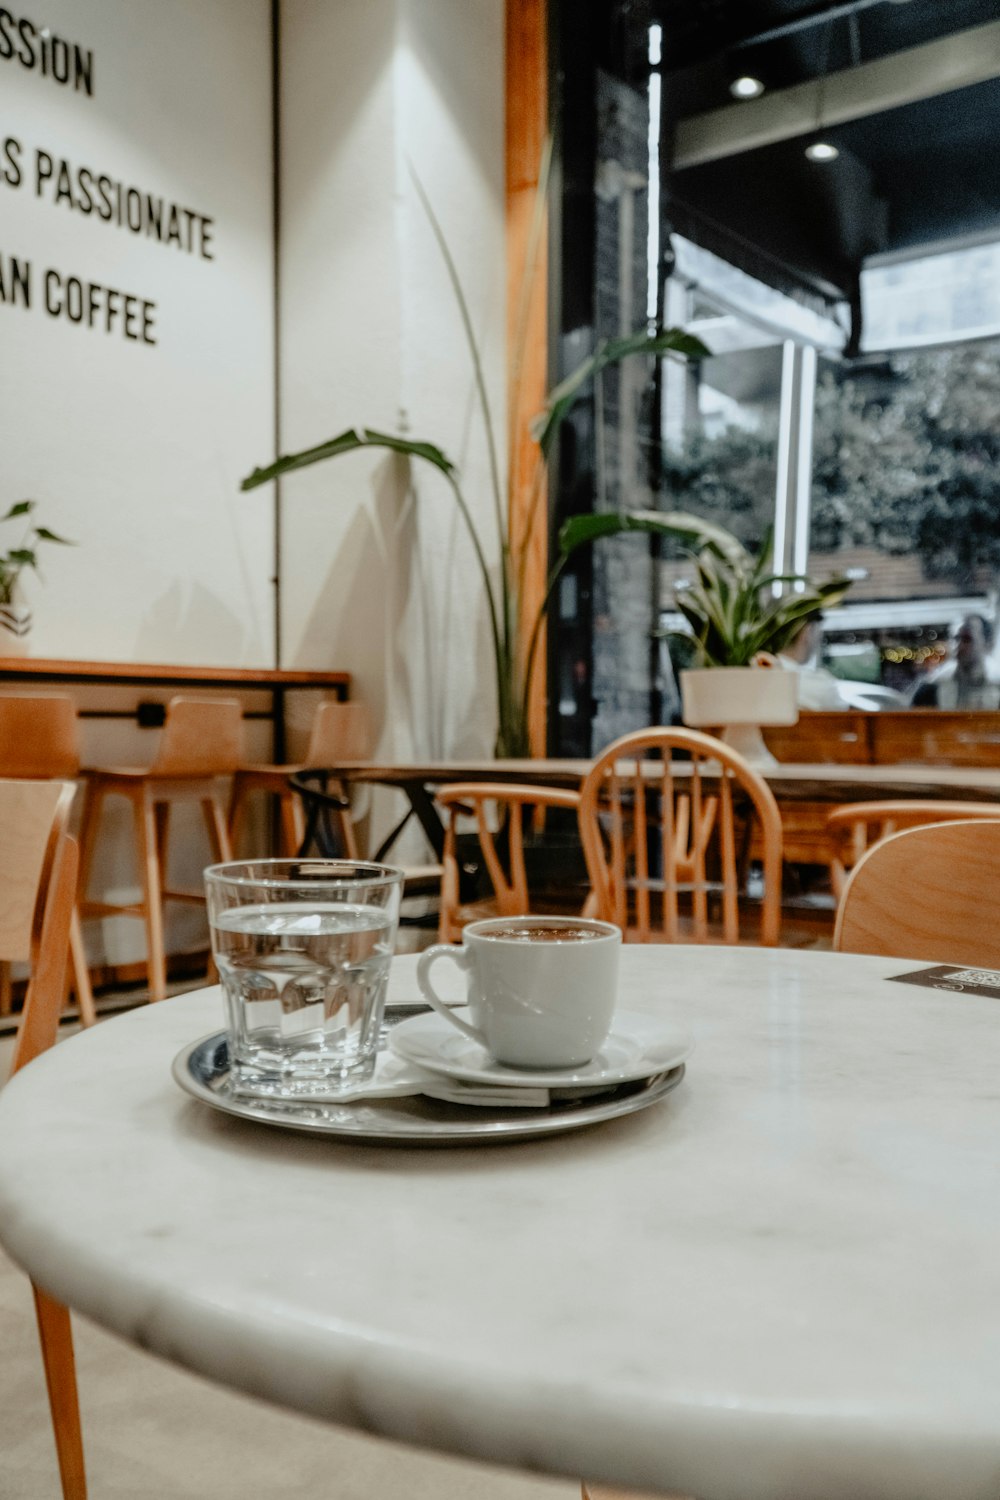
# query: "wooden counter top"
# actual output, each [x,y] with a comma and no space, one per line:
[41,669]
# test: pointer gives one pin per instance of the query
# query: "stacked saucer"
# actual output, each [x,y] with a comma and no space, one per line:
[638,1048]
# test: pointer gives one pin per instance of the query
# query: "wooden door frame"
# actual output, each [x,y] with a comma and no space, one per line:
[525,130]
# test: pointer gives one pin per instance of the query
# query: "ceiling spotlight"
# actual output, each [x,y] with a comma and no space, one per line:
[822,151]
[746,87]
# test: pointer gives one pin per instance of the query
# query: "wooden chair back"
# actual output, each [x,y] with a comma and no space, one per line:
[201,737]
[858,826]
[499,811]
[667,814]
[39,736]
[936,737]
[37,893]
[926,893]
[38,878]
[822,738]
[340,731]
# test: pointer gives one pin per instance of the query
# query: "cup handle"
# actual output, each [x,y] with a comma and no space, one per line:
[425,963]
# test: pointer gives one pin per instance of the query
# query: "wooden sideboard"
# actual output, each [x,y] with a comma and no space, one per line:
[911,736]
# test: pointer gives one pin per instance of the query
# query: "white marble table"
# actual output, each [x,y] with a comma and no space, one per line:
[783,1280]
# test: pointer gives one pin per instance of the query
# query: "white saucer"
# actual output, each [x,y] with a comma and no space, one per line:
[637,1047]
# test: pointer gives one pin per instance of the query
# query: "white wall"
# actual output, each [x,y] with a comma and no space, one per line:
[135,451]
[378,574]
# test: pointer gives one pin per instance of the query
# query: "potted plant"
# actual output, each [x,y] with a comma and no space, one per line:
[739,623]
[15,618]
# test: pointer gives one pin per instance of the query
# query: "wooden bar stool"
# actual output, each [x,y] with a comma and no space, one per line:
[40,741]
[340,731]
[202,744]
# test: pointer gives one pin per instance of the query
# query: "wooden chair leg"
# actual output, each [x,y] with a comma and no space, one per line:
[56,1337]
[93,803]
[347,834]
[6,990]
[219,836]
[162,818]
[293,824]
[237,811]
[146,829]
[81,972]
[218,827]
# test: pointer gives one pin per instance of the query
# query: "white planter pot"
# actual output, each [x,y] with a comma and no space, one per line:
[15,628]
[737,701]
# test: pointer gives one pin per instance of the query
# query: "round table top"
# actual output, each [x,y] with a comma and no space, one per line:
[780,1280]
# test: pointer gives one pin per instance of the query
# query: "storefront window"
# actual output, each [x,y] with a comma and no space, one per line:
[906,497]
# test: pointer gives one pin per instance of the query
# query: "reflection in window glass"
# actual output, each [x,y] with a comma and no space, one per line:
[906,496]
[951,296]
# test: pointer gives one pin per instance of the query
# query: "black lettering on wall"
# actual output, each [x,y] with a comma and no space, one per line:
[15,281]
[10,162]
[26,51]
[67,63]
[53,301]
[60,60]
[43,170]
[89,304]
[83,70]
[62,183]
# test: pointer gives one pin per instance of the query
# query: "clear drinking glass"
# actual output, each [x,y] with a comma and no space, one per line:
[303,948]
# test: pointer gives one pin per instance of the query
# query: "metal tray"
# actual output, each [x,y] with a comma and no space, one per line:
[202,1069]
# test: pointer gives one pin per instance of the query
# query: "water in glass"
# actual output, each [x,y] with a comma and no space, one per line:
[305,991]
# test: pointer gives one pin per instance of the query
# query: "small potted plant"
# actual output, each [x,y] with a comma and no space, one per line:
[739,624]
[15,618]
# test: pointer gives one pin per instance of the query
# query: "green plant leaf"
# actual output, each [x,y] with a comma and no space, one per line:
[680,525]
[350,441]
[608,352]
[23,556]
[21,508]
[44,534]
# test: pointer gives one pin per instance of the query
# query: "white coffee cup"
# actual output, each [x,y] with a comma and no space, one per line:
[541,990]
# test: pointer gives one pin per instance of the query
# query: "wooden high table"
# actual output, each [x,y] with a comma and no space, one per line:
[48,673]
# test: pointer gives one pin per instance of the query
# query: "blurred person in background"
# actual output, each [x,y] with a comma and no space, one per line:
[969,679]
[818,688]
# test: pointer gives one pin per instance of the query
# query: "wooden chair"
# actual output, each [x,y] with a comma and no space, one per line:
[37,896]
[201,745]
[499,813]
[655,827]
[926,893]
[340,731]
[858,826]
[40,741]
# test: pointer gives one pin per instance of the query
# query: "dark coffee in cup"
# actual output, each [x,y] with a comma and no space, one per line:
[542,932]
